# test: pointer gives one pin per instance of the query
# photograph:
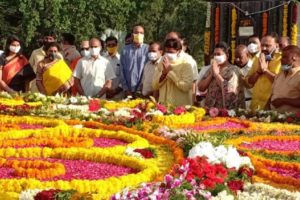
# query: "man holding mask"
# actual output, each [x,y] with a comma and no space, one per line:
[93,74]
[263,72]
[133,60]
[286,86]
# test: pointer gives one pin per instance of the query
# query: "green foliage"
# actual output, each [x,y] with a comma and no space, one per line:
[29,19]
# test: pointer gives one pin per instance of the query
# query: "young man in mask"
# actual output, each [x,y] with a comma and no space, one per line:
[154,56]
[254,46]
[39,54]
[133,60]
[84,52]
[263,72]
[93,74]
[115,93]
[286,86]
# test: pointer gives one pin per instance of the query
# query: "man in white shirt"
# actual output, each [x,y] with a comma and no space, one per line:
[116,91]
[244,62]
[93,74]
[154,56]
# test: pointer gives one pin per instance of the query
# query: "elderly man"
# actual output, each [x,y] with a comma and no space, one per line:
[286,86]
[133,60]
[93,74]
[187,59]
[243,61]
[263,72]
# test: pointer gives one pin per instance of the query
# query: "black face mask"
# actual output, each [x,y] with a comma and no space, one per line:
[52,56]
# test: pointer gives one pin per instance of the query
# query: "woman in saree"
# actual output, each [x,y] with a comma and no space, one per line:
[15,70]
[222,81]
[53,74]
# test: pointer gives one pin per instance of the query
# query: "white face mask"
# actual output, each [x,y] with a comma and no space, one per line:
[152,56]
[172,56]
[95,51]
[85,53]
[253,48]
[220,59]
[14,49]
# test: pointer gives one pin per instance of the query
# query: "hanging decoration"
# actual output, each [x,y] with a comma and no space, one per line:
[285,20]
[217,25]
[207,30]
[233,32]
[294,26]
[265,24]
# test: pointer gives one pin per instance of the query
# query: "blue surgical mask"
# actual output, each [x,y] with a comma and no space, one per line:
[269,56]
[286,68]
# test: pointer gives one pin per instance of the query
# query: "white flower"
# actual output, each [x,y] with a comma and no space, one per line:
[231,113]
[221,154]
[155,112]
[123,112]
[223,196]
[104,111]
[130,152]
[83,99]
[233,159]
[29,194]
[79,126]
[73,100]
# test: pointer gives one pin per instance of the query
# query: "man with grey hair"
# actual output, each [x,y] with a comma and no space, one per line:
[93,74]
[244,62]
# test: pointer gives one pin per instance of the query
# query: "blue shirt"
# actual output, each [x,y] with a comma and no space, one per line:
[133,61]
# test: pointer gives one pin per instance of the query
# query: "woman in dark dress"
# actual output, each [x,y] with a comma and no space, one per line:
[15,70]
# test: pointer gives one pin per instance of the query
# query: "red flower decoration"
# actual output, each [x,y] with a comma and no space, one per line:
[161,108]
[298,114]
[289,119]
[223,113]
[94,105]
[179,110]
[146,153]
[46,194]
[235,185]
[246,170]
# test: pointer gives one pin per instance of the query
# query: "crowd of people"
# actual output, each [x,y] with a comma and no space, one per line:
[265,73]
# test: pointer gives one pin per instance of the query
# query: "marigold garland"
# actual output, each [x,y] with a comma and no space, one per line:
[206,42]
[285,20]
[35,169]
[261,165]
[233,33]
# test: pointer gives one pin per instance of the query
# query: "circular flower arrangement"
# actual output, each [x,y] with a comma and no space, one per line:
[51,154]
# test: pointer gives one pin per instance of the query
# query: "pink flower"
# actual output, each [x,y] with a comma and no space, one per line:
[161,108]
[179,110]
[213,112]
